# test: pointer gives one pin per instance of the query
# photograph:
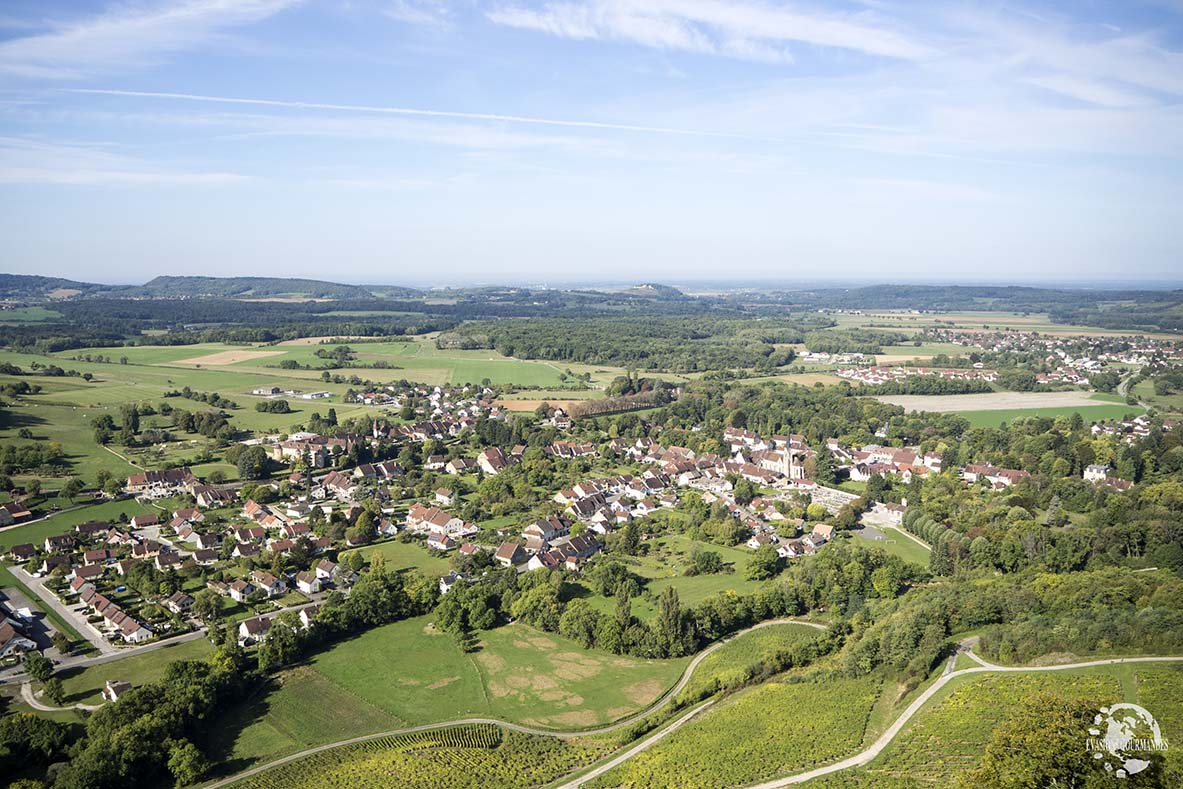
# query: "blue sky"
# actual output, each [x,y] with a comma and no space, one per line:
[476,142]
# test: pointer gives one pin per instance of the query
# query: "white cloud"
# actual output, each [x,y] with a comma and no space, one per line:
[431,13]
[1087,90]
[127,36]
[747,30]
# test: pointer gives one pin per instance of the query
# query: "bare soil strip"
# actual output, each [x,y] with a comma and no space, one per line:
[992,401]
[229,357]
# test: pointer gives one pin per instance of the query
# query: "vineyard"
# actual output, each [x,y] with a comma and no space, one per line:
[742,659]
[458,757]
[770,730]
[1160,691]
[947,739]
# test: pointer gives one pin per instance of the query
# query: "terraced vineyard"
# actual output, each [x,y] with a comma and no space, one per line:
[767,731]
[457,757]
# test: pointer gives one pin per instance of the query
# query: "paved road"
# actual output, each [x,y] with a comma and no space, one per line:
[31,699]
[122,652]
[79,622]
[657,705]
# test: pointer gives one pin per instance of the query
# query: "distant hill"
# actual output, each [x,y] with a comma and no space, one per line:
[30,286]
[246,288]
[654,291]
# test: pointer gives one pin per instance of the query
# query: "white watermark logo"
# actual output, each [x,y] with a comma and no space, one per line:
[1127,728]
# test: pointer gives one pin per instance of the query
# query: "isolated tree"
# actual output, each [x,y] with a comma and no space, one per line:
[71,488]
[61,642]
[54,690]
[38,666]
[765,563]
[207,605]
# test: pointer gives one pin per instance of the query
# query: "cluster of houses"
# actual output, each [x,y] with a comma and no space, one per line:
[114,622]
[443,529]
[885,374]
[609,503]
[161,484]
[1130,430]
[299,394]
[1074,352]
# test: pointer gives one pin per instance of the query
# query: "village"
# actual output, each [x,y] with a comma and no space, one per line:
[292,540]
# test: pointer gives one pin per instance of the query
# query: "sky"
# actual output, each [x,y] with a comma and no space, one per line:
[510,141]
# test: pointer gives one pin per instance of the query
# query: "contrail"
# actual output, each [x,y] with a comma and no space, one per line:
[474,116]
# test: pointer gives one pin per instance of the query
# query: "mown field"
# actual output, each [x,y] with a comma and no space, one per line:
[453,758]
[408,673]
[415,359]
[85,686]
[770,730]
[65,521]
[895,543]
[946,738]
[1168,404]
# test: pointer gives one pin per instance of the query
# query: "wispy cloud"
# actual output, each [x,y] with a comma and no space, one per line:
[127,36]
[24,161]
[747,30]
[424,113]
[432,13]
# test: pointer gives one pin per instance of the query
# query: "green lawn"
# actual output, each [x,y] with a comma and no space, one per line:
[897,544]
[65,521]
[406,555]
[85,686]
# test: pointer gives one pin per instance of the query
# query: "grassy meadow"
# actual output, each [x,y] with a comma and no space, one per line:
[408,673]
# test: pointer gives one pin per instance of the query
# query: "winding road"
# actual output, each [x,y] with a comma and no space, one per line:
[565,735]
[857,760]
[31,699]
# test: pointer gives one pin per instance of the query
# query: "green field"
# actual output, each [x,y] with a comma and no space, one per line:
[65,521]
[408,673]
[1090,413]
[413,359]
[760,733]
[85,686]
[897,544]
[28,315]
[406,555]
[1168,404]
[664,566]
